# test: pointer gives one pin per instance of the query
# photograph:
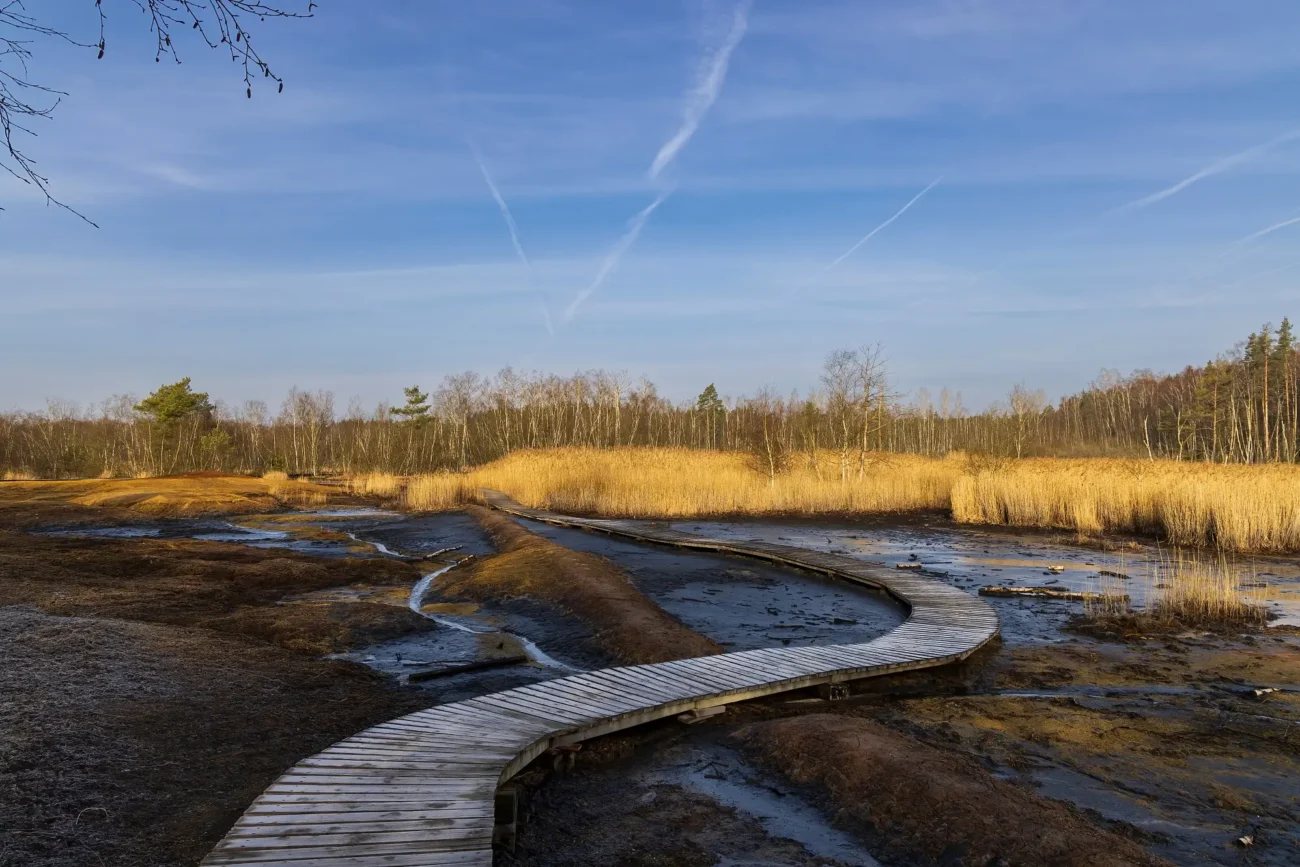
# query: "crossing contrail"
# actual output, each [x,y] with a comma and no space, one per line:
[708,84]
[700,98]
[634,227]
[1214,168]
[514,237]
[867,237]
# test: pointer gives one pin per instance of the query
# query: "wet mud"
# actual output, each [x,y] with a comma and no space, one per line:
[1163,742]
[674,795]
[971,559]
[741,604]
[127,743]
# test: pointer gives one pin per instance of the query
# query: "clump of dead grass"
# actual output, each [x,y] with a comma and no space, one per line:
[386,485]
[1183,591]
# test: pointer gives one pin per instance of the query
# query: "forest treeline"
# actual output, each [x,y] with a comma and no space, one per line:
[1242,407]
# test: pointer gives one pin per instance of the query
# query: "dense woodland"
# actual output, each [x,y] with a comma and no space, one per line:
[1241,407]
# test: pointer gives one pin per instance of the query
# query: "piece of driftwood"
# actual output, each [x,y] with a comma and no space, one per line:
[448,670]
[907,566]
[1120,575]
[1051,593]
[441,551]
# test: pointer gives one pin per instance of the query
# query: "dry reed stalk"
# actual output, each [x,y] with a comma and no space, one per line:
[1185,591]
[376,484]
[681,483]
[1197,591]
[14,476]
[1232,508]
[275,476]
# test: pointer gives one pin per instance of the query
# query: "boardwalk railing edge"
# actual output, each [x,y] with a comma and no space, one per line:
[419,790]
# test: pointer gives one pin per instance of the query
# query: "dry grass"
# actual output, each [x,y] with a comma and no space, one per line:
[1233,508]
[626,624]
[275,476]
[913,799]
[169,496]
[376,484]
[679,483]
[14,476]
[1184,591]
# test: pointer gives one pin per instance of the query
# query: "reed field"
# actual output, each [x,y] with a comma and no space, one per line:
[682,483]
[377,484]
[1233,508]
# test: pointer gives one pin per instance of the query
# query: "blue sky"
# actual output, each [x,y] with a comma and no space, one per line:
[1100,166]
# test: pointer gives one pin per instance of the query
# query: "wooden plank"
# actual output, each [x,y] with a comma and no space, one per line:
[468,858]
[418,791]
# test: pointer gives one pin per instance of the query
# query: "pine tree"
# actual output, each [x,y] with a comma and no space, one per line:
[172,403]
[417,405]
[710,406]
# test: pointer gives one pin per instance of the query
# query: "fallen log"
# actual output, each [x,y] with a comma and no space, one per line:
[448,670]
[1053,593]
[440,552]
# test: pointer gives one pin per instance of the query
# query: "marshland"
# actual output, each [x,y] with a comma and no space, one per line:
[225,594]
[455,434]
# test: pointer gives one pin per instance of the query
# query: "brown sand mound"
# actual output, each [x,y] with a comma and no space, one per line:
[917,799]
[189,583]
[628,625]
[131,744]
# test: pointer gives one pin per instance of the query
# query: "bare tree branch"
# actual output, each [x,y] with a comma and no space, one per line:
[217,23]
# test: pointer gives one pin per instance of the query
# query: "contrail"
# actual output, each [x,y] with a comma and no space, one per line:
[514,235]
[867,237]
[634,227]
[1267,230]
[705,92]
[1212,169]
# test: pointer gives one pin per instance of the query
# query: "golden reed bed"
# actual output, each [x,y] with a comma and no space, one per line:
[1233,508]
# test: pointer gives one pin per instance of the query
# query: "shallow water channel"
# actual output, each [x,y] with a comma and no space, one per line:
[971,559]
[740,603]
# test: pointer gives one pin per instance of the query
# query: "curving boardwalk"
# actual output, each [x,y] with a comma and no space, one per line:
[419,791]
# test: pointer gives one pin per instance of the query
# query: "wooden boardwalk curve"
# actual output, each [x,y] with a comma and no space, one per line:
[419,791]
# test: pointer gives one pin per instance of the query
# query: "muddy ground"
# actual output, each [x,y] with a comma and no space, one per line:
[624,622]
[151,685]
[129,743]
[956,766]
[151,688]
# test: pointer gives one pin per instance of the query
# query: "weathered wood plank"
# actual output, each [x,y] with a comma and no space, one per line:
[418,791]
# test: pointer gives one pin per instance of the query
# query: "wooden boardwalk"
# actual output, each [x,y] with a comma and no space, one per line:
[419,791]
